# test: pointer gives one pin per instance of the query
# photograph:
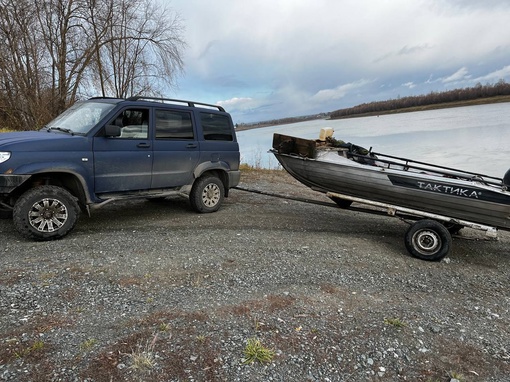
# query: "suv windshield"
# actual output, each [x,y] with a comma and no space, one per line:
[80,117]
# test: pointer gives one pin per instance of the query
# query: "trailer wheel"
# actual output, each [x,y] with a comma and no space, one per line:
[428,240]
[342,203]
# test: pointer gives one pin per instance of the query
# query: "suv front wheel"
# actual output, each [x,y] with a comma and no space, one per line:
[207,194]
[45,213]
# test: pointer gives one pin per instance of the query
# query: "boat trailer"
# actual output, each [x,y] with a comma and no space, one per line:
[428,238]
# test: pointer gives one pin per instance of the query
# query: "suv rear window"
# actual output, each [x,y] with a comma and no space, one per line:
[216,127]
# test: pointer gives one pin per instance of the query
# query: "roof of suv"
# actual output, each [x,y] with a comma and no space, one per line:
[164,100]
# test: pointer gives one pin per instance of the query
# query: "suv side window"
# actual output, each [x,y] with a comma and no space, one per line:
[171,124]
[133,123]
[216,127]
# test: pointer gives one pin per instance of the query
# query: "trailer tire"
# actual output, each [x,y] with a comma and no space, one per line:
[428,240]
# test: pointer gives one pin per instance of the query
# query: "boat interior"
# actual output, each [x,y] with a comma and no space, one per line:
[309,148]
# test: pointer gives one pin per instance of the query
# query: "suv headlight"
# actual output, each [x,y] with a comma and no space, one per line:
[4,156]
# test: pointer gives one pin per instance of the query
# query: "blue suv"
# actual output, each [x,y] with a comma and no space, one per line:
[107,149]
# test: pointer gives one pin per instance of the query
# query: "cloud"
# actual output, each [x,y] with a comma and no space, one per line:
[238,103]
[339,91]
[495,75]
[406,50]
[459,75]
[294,57]
[470,5]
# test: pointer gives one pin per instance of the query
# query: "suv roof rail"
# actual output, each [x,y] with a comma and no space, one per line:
[100,97]
[171,100]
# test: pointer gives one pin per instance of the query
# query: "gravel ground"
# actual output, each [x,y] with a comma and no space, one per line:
[147,291]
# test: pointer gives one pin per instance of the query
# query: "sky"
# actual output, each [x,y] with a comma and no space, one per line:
[270,59]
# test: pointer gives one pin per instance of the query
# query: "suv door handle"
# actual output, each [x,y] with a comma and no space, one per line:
[191,146]
[143,145]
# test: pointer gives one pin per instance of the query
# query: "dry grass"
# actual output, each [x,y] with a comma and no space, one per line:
[144,357]
[256,352]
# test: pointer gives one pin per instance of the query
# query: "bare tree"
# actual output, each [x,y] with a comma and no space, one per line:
[65,34]
[21,74]
[143,47]
[57,51]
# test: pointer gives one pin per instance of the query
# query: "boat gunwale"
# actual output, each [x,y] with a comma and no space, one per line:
[476,180]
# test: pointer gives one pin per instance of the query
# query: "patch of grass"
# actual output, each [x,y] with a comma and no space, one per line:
[201,338]
[36,346]
[144,358]
[455,375]
[164,327]
[257,325]
[245,167]
[255,351]
[396,322]
[88,344]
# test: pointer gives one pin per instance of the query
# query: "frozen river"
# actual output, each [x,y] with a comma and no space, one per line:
[472,138]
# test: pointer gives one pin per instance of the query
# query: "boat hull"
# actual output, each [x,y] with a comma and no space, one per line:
[465,200]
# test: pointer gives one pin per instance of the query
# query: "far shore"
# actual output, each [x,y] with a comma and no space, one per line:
[480,101]
[447,105]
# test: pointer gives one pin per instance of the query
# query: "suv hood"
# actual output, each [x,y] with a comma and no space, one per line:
[41,141]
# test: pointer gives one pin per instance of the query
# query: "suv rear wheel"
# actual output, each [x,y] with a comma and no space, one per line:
[45,213]
[207,194]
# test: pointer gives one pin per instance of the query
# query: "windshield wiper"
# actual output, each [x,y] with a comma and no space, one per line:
[68,131]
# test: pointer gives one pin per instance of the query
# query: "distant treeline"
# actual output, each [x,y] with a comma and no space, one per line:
[282,121]
[501,88]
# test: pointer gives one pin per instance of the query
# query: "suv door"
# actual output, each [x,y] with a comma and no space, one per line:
[124,163]
[219,140]
[176,148]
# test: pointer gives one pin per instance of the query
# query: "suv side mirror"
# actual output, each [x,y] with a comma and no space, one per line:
[112,131]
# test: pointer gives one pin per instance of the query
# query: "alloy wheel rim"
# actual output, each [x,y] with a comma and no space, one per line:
[47,215]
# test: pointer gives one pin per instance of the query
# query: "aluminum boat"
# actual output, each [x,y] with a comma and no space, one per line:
[353,171]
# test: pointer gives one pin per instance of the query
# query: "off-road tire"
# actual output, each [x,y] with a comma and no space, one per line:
[45,213]
[207,194]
